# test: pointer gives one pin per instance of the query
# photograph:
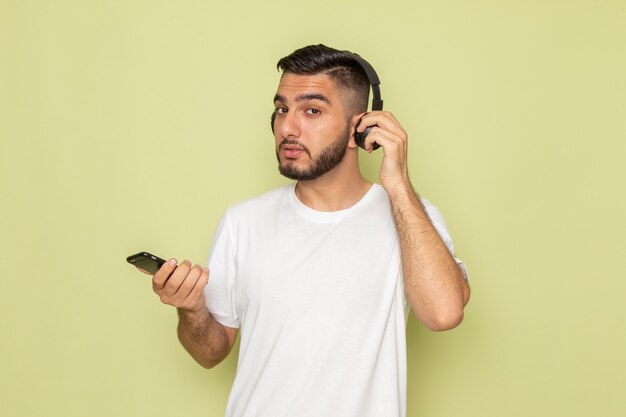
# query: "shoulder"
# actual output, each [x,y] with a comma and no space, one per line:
[265,203]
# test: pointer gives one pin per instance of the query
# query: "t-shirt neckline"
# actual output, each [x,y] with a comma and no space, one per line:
[328,216]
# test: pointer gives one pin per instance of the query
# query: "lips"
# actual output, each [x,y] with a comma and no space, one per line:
[292,153]
[292,150]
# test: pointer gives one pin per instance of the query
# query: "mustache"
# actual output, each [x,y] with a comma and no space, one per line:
[286,142]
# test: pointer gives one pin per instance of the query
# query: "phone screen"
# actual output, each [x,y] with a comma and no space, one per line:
[146,261]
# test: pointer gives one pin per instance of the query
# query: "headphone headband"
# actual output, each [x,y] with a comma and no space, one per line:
[377,101]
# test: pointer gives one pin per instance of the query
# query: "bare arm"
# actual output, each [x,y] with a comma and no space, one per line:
[434,283]
[206,340]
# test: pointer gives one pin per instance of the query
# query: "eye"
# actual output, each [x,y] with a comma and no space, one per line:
[313,111]
[280,110]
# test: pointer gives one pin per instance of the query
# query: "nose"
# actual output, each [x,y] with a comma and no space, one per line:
[288,125]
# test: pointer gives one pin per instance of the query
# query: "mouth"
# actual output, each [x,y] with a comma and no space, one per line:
[292,150]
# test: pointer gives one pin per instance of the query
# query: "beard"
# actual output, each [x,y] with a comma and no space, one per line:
[328,158]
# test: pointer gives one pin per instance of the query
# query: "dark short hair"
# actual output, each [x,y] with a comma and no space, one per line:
[340,66]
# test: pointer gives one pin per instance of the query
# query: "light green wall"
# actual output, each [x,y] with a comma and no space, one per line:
[132,125]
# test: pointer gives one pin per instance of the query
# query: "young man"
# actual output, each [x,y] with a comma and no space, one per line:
[319,275]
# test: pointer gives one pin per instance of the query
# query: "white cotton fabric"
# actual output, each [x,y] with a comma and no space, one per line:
[319,301]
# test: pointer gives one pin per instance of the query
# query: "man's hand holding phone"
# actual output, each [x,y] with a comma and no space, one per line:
[181,285]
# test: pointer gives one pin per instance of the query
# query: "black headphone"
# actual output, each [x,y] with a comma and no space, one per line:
[377,101]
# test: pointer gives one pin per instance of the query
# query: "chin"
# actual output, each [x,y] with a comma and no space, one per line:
[289,171]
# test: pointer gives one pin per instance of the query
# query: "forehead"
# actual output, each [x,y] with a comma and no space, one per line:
[294,85]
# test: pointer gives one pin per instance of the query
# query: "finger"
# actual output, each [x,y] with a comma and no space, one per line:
[188,283]
[196,299]
[158,281]
[392,116]
[388,122]
[176,279]
[385,120]
[389,141]
[368,121]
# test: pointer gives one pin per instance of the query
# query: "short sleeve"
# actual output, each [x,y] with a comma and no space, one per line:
[436,218]
[220,290]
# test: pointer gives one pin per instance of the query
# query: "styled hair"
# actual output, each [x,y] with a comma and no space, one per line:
[340,66]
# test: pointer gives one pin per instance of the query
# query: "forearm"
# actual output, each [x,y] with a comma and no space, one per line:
[434,283]
[203,337]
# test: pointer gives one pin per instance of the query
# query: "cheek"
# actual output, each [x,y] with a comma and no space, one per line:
[328,129]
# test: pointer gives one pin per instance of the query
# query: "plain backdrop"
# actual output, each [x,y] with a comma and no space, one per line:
[132,125]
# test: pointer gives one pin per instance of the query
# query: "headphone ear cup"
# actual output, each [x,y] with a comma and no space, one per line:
[273,119]
[359,137]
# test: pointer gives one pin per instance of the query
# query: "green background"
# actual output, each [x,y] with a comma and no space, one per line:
[132,125]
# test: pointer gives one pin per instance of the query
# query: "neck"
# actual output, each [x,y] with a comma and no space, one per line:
[338,189]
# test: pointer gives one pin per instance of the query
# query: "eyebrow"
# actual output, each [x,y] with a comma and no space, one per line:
[304,97]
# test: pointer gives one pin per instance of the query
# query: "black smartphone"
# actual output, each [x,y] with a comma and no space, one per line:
[146,261]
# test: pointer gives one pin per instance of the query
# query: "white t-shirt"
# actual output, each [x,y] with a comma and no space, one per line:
[319,300]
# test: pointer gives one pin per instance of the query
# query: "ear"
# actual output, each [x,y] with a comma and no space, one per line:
[354,120]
